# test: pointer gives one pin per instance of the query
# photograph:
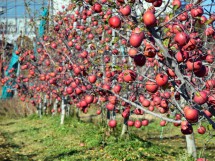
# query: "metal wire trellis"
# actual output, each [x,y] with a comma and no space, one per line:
[13,15]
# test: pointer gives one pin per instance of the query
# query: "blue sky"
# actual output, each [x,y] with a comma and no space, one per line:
[35,5]
[208,7]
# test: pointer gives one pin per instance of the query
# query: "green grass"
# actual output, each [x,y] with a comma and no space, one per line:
[46,140]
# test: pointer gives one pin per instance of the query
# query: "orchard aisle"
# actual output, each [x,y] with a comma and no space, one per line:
[34,139]
[9,151]
[5,150]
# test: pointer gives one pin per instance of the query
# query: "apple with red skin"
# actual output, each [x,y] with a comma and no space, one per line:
[157,3]
[132,52]
[54,45]
[112,99]
[149,19]
[194,65]
[157,100]
[183,16]
[191,45]
[69,90]
[78,91]
[164,104]
[52,111]
[201,130]
[201,159]
[210,58]
[136,39]
[129,75]
[145,103]
[115,22]
[130,123]
[181,56]
[145,122]
[177,28]
[138,111]
[89,98]
[139,60]
[98,112]
[176,3]
[125,114]
[17,52]
[151,86]
[137,124]
[163,123]
[171,73]
[200,97]
[186,128]
[83,104]
[117,89]
[202,20]
[202,72]
[141,98]
[181,38]
[191,114]
[125,11]
[110,106]
[112,123]
[161,79]
[97,7]
[211,99]
[210,84]
[59,110]
[197,12]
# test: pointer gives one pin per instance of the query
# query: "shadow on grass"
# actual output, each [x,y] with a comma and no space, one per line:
[61,155]
[167,138]
[89,118]
[7,135]
[10,150]
[7,124]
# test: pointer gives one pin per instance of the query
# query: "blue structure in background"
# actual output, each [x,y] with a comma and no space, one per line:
[13,64]
[43,22]
[41,30]
[15,58]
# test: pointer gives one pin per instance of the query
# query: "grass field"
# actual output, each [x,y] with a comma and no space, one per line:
[44,139]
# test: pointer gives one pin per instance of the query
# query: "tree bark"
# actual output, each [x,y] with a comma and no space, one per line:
[45,105]
[40,110]
[191,146]
[124,127]
[62,111]
[55,107]
[77,114]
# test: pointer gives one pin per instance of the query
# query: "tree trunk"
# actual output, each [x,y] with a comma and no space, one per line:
[108,116]
[55,107]
[77,114]
[62,111]
[191,146]
[124,127]
[45,105]
[40,109]
[67,107]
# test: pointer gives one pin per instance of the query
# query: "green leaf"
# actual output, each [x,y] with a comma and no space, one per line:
[210,127]
[117,67]
[173,48]
[116,39]
[208,22]
[171,15]
[166,30]
[175,7]
[166,42]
